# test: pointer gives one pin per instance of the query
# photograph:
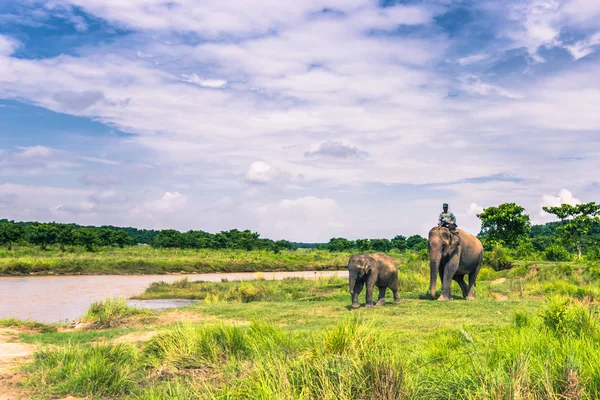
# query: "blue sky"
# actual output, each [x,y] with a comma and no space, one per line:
[301,120]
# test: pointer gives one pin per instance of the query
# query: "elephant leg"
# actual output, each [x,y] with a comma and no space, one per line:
[449,270]
[394,289]
[381,299]
[471,289]
[460,279]
[370,287]
[357,289]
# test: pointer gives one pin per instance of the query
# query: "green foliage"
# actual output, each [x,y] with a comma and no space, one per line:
[340,244]
[87,237]
[381,245]
[557,253]
[65,235]
[250,291]
[9,233]
[577,221]
[103,370]
[416,243]
[110,312]
[29,325]
[525,250]
[399,243]
[363,245]
[42,235]
[565,317]
[506,224]
[499,259]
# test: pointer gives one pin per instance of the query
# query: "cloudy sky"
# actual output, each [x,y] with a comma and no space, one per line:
[302,119]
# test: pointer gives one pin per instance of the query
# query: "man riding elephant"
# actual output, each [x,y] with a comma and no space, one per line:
[447,219]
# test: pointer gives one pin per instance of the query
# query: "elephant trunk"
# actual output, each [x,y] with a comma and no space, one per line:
[435,258]
[351,284]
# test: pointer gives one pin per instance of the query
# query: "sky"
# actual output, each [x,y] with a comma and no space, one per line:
[300,120]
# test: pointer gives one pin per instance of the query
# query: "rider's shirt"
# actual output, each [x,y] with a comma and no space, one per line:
[447,217]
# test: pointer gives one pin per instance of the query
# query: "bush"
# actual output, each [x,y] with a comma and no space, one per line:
[110,312]
[593,254]
[250,292]
[566,317]
[498,259]
[557,253]
[525,250]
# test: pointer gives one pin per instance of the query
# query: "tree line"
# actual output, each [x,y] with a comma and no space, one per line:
[506,225]
[577,231]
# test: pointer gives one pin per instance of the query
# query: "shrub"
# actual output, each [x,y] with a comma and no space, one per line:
[557,253]
[525,250]
[498,259]
[593,254]
[566,317]
[250,292]
[522,319]
[110,312]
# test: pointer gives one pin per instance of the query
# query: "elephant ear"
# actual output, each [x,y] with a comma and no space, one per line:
[368,269]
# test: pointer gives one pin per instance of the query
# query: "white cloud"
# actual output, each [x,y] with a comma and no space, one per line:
[261,172]
[209,83]
[8,45]
[473,84]
[584,47]
[472,59]
[564,197]
[308,218]
[168,203]
[474,209]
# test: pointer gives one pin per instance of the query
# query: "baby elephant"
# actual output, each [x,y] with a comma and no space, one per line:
[374,270]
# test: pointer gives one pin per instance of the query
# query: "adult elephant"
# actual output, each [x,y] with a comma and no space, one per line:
[453,255]
[373,270]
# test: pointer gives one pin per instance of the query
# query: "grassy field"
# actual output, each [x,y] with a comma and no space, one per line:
[533,333]
[146,260]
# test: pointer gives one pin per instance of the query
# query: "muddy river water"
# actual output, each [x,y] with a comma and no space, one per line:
[66,298]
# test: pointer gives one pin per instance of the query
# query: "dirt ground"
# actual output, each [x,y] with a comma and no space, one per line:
[12,355]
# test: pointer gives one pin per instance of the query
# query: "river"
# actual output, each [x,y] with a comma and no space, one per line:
[66,298]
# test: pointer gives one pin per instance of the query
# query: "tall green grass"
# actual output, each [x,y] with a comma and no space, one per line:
[553,354]
[110,312]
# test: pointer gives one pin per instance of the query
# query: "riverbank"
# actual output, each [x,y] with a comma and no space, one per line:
[301,340]
[146,260]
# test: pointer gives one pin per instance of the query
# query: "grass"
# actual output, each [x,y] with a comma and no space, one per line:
[110,313]
[146,260]
[27,325]
[299,339]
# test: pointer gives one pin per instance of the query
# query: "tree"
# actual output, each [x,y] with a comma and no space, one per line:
[383,245]
[340,244]
[65,235]
[9,233]
[577,221]
[416,243]
[105,236]
[121,238]
[41,234]
[168,238]
[87,237]
[399,242]
[506,224]
[363,245]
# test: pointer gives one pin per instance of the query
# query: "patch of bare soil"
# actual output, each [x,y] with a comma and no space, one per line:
[498,281]
[12,355]
[500,297]
[135,337]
